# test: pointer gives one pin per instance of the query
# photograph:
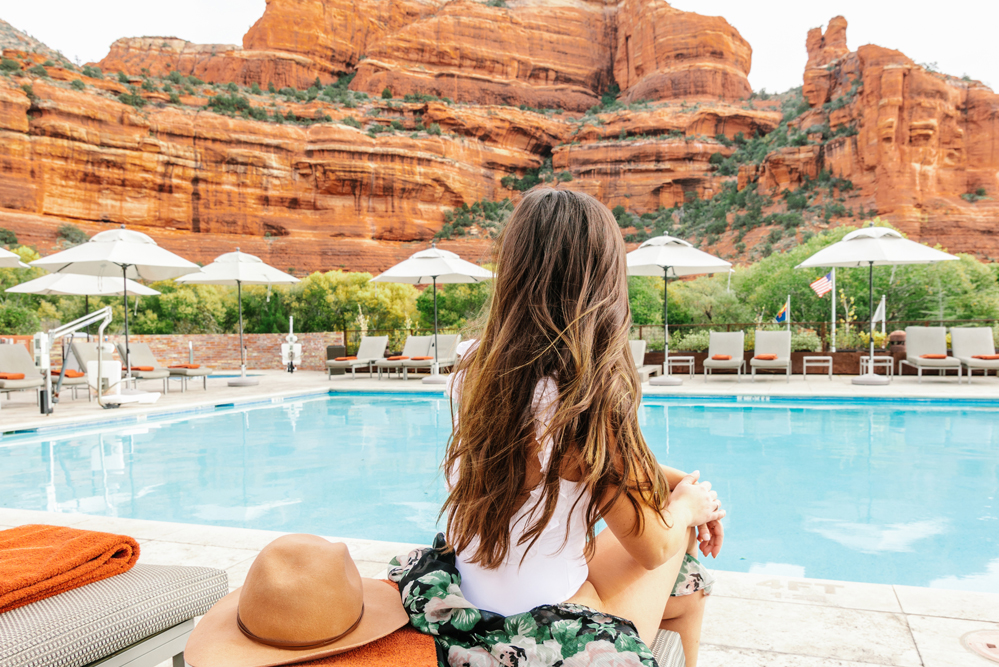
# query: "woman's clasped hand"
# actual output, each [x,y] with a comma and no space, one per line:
[700,503]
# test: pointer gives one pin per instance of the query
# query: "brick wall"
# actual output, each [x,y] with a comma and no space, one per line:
[221,351]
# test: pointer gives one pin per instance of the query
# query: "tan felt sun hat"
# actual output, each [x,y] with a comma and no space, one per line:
[303,599]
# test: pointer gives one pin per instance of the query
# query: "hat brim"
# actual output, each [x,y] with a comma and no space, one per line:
[218,642]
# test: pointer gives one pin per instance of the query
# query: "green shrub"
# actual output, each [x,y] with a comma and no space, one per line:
[122,77]
[7,237]
[232,87]
[529,180]
[290,116]
[255,89]
[148,85]
[175,77]
[38,71]
[132,98]
[496,3]
[270,88]
[352,122]
[93,72]
[387,94]
[419,97]
[434,129]
[29,91]
[8,65]
[805,340]
[71,235]
[78,84]
[229,103]
[694,341]
[980,192]
[174,98]
[397,125]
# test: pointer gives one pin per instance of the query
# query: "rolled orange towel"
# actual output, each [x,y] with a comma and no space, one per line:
[70,373]
[142,368]
[423,358]
[766,357]
[345,359]
[933,356]
[11,376]
[722,357]
[188,366]
[37,562]
[986,357]
[397,358]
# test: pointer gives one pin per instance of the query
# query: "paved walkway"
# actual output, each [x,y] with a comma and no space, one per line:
[19,411]
[753,620]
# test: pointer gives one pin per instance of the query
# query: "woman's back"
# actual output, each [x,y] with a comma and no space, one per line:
[554,567]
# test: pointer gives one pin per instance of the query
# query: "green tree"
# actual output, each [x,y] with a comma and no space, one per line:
[645,295]
[457,304]
[330,301]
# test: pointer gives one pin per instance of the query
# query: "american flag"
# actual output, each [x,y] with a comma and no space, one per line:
[823,285]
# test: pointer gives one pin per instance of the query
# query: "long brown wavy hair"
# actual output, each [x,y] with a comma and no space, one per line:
[559,310]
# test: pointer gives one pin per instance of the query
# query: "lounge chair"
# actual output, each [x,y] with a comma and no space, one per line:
[139,357]
[772,343]
[140,618]
[638,354]
[970,342]
[416,346]
[372,349]
[447,355]
[16,359]
[143,356]
[730,344]
[920,341]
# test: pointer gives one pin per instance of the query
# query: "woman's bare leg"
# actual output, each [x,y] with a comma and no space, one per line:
[619,585]
[684,615]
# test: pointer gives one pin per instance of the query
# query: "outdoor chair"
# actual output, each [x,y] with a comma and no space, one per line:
[921,342]
[447,355]
[769,344]
[141,356]
[372,349]
[139,618]
[416,346]
[16,359]
[967,343]
[722,344]
[638,354]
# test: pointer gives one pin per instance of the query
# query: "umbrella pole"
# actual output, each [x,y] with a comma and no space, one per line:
[124,292]
[242,380]
[435,373]
[666,378]
[870,377]
[86,309]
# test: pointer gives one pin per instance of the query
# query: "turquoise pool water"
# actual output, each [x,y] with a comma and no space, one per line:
[877,491]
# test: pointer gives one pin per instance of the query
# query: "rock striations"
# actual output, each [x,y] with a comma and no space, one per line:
[642,105]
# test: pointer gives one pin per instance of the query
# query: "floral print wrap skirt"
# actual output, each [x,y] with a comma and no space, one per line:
[557,635]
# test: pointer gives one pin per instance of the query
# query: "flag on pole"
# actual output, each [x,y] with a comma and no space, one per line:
[822,286]
[879,314]
[782,313]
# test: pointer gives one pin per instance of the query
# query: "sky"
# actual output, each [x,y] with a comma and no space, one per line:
[957,35]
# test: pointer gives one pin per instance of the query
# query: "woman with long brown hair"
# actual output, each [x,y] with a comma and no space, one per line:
[546,444]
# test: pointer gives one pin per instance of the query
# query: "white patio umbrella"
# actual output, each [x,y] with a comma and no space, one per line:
[238,268]
[874,246]
[434,266]
[669,256]
[10,260]
[119,252]
[72,284]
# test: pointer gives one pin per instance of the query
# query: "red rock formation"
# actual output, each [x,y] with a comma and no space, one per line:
[664,53]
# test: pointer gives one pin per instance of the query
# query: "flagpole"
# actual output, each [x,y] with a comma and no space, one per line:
[834,309]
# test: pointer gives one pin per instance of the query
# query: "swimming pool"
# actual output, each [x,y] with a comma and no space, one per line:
[878,491]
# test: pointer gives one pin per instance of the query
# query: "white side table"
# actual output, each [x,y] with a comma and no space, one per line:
[682,361]
[817,362]
[880,361]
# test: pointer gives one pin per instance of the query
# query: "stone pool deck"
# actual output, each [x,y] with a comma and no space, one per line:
[753,620]
[18,411]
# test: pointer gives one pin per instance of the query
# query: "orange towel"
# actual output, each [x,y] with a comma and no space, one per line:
[722,357]
[766,357]
[423,358]
[397,358]
[188,366]
[345,359]
[985,357]
[70,373]
[37,561]
[406,646]
[933,356]
[143,368]
[11,376]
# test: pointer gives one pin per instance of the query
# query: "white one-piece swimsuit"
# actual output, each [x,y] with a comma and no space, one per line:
[551,572]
